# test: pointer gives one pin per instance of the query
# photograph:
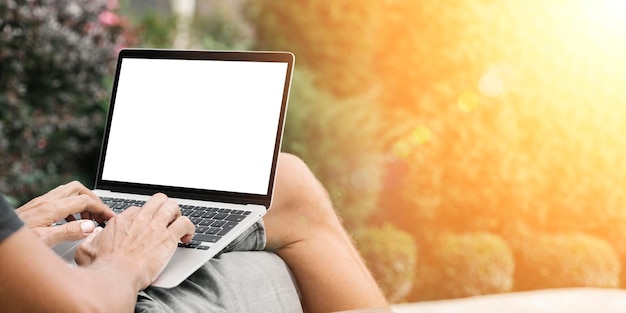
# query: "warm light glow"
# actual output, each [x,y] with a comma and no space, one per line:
[420,135]
[407,145]
[607,16]
[401,149]
[540,148]
[490,85]
[468,101]
[544,81]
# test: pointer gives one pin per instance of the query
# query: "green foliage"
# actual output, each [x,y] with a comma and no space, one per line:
[214,27]
[155,29]
[391,256]
[614,233]
[566,260]
[547,152]
[333,116]
[55,57]
[544,151]
[221,29]
[336,38]
[335,138]
[462,265]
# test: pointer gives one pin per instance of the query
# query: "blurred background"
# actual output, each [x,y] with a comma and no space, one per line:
[471,147]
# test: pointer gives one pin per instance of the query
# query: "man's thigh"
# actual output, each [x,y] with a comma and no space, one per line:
[252,281]
[241,280]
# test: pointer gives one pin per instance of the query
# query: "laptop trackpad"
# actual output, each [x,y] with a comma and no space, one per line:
[66,250]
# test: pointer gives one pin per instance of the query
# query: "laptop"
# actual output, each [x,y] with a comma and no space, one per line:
[203,127]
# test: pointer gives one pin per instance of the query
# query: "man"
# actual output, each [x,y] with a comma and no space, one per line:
[120,261]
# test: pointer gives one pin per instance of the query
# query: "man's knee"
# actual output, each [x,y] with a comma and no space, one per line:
[301,208]
[298,190]
[293,174]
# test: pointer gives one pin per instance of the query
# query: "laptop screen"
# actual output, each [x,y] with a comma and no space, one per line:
[195,123]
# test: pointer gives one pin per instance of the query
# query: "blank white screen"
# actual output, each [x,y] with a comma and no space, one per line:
[195,124]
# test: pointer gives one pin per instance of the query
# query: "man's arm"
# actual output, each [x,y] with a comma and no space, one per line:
[117,262]
[37,280]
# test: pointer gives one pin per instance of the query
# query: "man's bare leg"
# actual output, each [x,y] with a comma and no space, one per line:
[304,230]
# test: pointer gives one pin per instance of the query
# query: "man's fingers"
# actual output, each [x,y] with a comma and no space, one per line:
[44,211]
[159,207]
[154,203]
[182,229]
[168,212]
[73,188]
[76,189]
[82,204]
[84,254]
[92,235]
[70,231]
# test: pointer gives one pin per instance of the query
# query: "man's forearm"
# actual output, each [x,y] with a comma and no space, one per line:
[37,280]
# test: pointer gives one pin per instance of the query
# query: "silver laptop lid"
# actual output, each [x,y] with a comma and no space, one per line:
[203,125]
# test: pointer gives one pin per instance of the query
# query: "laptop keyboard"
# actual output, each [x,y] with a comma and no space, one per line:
[211,223]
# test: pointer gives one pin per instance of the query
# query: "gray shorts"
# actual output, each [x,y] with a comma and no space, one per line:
[241,279]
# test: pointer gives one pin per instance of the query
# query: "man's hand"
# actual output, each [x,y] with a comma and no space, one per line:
[61,203]
[138,241]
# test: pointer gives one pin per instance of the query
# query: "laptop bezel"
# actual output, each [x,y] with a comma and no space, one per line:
[191,193]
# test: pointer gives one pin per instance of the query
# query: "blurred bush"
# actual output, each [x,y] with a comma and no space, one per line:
[334,137]
[154,29]
[391,256]
[333,115]
[614,233]
[335,39]
[462,265]
[221,27]
[566,260]
[55,58]
[215,25]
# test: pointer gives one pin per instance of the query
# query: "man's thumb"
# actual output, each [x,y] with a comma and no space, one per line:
[87,227]
[70,231]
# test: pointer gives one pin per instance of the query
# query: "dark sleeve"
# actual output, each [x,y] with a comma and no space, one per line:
[9,221]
